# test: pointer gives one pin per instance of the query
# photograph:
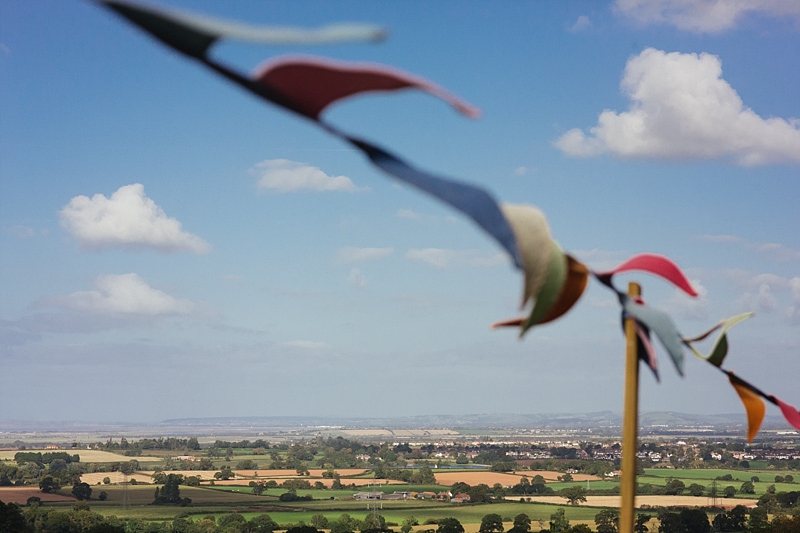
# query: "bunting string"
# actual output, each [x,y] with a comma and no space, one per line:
[553,281]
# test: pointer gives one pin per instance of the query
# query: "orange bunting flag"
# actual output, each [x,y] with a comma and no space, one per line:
[752,404]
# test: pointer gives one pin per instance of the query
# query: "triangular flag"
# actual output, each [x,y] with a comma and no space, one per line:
[644,348]
[659,323]
[577,279]
[720,349]
[315,83]
[753,405]
[790,413]
[658,265]
[194,34]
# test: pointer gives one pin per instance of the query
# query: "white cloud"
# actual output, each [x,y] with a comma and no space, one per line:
[124,294]
[21,232]
[357,279]
[779,252]
[702,16]
[282,175]
[794,310]
[128,219]
[768,292]
[695,308]
[443,258]
[682,109]
[521,171]
[351,254]
[583,23]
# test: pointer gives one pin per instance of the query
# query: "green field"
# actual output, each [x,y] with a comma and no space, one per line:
[222,499]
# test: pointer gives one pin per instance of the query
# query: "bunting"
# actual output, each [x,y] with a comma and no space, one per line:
[750,396]
[553,281]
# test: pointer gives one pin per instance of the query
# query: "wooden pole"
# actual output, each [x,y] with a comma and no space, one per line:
[630,421]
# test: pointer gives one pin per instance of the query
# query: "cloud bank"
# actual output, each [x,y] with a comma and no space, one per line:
[702,16]
[283,175]
[124,294]
[127,219]
[682,109]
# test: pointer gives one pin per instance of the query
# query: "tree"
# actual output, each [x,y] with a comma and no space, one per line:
[674,487]
[559,522]
[373,523]
[450,525]
[106,480]
[230,519]
[48,485]
[170,493]
[641,523]
[607,521]
[302,529]
[262,524]
[696,489]
[758,519]
[12,520]
[574,494]
[580,528]
[736,517]
[695,520]
[408,524]
[319,521]
[479,493]
[730,491]
[670,523]
[103,496]
[785,524]
[345,524]
[57,465]
[224,473]
[82,491]
[522,524]
[259,487]
[491,523]
[747,488]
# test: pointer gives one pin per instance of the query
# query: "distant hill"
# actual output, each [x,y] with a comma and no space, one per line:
[604,421]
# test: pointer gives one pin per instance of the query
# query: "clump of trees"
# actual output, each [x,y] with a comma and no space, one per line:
[170,492]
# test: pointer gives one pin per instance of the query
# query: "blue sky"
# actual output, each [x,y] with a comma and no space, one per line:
[171,246]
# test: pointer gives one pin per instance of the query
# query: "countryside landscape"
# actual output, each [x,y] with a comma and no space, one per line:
[399,267]
[238,477]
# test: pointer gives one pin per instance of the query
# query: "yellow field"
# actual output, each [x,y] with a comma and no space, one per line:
[204,475]
[87,456]
[653,501]
[506,480]
[115,477]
